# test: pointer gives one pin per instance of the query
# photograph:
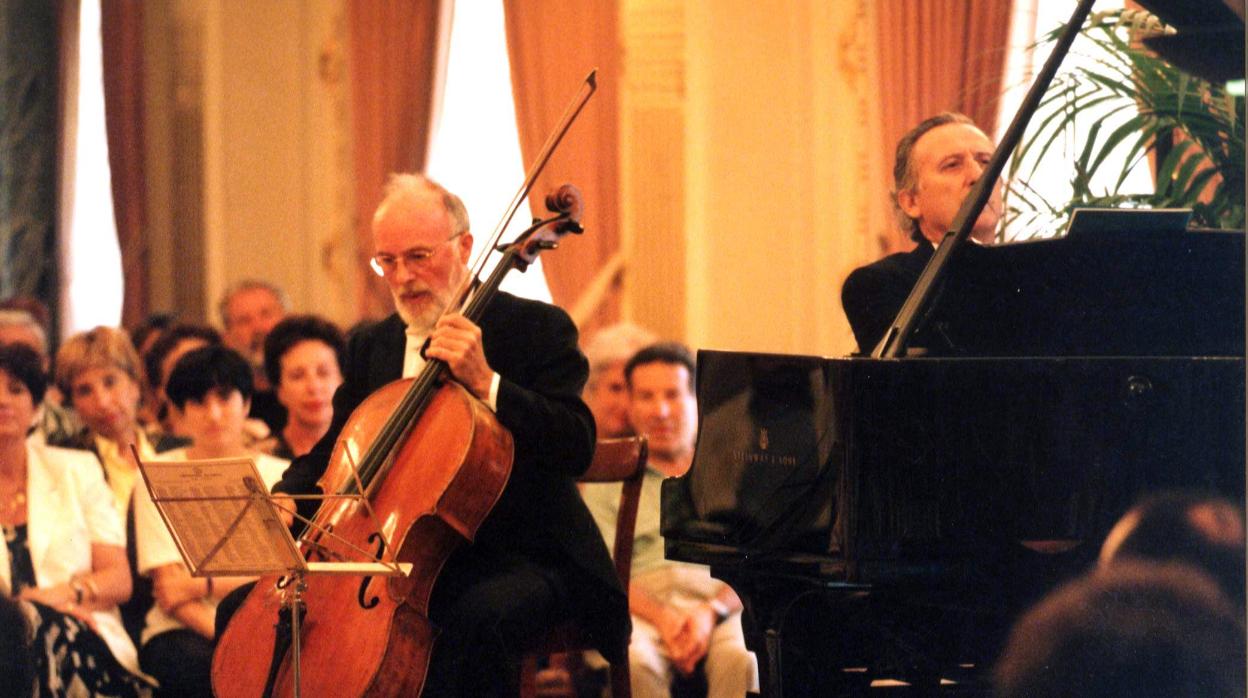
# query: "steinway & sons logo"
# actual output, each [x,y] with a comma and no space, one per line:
[761,456]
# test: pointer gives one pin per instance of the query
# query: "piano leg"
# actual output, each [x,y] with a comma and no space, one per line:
[769,601]
[762,622]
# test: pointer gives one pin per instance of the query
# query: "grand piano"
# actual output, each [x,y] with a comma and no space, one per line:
[889,518]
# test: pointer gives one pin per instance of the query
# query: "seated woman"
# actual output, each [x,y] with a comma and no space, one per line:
[99,371]
[158,362]
[303,357]
[64,556]
[209,390]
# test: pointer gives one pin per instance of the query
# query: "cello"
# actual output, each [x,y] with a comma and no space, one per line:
[434,462]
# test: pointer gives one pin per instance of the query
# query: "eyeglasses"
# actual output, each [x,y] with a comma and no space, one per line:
[384,264]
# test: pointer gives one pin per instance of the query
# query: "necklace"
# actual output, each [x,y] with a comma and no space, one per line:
[13,497]
[14,506]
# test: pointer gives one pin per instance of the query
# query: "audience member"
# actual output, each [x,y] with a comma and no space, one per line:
[32,306]
[143,338]
[17,668]
[683,619]
[172,345]
[1132,630]
[150,329]
[606,391]
[209,388]
[53,423]
[99,372]
[39,332]
[249,311]
[64,555]
[20,327]
[303,357]
[1204,531]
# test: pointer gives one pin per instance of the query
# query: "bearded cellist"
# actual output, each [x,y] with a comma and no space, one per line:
[537,561]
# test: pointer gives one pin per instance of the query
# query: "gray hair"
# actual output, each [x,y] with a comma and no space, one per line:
[250,285]
[21,318]
[903,168]
[615,344]
[405,185]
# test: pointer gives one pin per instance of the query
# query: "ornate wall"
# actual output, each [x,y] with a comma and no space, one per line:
[747,162]
[249,152]
[748,167]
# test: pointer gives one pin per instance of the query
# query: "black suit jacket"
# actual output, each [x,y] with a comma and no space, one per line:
[533,347]
[873,295]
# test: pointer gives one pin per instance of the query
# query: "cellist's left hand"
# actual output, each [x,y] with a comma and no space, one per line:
[457,341]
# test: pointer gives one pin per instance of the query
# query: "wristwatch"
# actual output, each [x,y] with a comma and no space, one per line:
[721,610]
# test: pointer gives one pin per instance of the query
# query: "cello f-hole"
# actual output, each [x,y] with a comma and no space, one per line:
[381,549]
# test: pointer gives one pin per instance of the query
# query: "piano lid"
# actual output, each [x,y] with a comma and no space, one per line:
[766,423]
[1105,294]
[1210,38]
[1186,14]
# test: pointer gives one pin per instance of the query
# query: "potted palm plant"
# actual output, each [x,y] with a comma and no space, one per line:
[1192,130]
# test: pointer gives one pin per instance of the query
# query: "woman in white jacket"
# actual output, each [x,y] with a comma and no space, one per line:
[64,555]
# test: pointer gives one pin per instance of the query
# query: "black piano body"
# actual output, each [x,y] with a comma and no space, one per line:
[891,517]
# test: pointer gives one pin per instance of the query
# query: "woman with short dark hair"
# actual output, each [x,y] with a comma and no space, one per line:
[303,357]
[209,391]
[64,557]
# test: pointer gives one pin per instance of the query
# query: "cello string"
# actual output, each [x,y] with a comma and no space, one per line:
[415,399]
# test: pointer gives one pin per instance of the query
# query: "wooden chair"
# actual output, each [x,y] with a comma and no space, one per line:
[615,460]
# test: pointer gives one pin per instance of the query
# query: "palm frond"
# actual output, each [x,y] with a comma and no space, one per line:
[1162,105]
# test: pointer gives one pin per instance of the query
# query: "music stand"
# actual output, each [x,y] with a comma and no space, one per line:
[225,523]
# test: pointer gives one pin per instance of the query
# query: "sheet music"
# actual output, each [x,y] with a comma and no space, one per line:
[218,513]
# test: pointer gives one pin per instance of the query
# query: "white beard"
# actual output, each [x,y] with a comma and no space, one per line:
[422,321]
[421,324]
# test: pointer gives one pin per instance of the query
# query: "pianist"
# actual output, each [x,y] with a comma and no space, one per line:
[936,165]
[683,619]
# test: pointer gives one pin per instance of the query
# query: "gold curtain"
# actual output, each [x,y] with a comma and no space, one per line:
[938,55]
[552,45]
[121,25]
[397,56]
